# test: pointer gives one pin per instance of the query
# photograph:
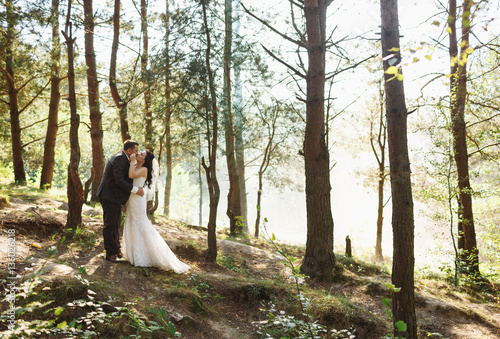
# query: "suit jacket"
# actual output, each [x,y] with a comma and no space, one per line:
[116,185]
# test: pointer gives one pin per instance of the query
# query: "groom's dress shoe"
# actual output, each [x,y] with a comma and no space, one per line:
[112,258]
[120,255]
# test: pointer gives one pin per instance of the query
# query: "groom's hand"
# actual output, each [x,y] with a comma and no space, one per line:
[140,192]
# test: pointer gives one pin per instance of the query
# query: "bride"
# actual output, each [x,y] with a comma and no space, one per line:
[143,245]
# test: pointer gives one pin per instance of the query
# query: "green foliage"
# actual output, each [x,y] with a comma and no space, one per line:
[81,318]
[234,263]
[161,318]
[82,237]
[6,172]
[204,290]
[279,325]
[400,326]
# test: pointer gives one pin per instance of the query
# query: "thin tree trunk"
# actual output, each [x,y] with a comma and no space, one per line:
[233,197]
[380,219]
[119,102]
[257,218]
[55,95]
[262,170]
[381,145]
[168,151]
[75,188]
[239,146]
[240,168]
[319,259]
[403,301]
[210,170]
[15,125]
[96,132]
[271,130]
[468,252]
[200,184]
[168,103]
[148,140]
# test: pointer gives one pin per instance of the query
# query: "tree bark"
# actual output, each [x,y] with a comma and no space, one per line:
[210,169]
[75,187]
[403,302]
[468,252]
[239,145]
[271,126]
[262,170]
[319,259]
[55,95]
[233,197]
[15,125]
[96,132]
[200,184]
[119,102]
[168,115]
[148,140]
[380,144]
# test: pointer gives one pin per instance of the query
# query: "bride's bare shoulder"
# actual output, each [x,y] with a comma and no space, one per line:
[142,172]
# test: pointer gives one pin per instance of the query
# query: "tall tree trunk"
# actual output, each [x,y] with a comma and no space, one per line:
[75,187]
[210,169]
[168,155]
[239,146]
[380,216]
[119,102]
[93,89]
[319,260]
[468,252]
[148,140]
[259,199]
[378,149]
[15,125]
[168,115]
[233,197]
[200,184]
[55,95]
[262,170]
[403,301]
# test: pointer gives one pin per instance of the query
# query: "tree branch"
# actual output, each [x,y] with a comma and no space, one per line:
[33,124]
[284,63]
[27,82]
[482,148]
[9,78]
[34,98]
[297,4]
[488,119]
[350,67]
[38,139]
[297,30]
[284,36]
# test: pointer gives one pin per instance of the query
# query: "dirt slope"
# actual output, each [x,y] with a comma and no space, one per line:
[213,300]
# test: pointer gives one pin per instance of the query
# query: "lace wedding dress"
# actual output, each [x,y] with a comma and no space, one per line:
[143,245]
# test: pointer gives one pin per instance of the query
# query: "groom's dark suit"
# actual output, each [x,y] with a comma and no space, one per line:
[114,191]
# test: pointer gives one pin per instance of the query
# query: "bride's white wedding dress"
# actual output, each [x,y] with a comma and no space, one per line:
[143,245]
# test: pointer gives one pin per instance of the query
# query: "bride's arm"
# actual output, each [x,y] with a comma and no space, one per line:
[133,173]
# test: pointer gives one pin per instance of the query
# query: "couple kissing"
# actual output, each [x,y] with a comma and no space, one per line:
[129,179]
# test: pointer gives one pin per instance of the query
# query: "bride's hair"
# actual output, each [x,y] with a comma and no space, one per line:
[148,163]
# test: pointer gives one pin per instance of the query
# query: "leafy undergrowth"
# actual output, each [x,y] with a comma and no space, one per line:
[67,289]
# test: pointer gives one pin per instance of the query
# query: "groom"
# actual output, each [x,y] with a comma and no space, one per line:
[114,191]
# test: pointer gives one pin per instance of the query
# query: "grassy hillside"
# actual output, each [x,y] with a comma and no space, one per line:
[65,288]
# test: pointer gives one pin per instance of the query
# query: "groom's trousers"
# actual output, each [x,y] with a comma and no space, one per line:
[112,215]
